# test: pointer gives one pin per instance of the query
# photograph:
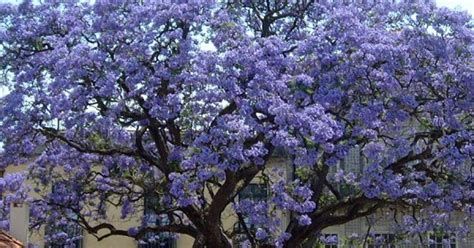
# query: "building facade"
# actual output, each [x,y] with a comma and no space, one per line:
[377,230]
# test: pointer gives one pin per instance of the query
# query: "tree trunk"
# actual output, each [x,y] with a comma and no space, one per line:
[299,237]
[214,237]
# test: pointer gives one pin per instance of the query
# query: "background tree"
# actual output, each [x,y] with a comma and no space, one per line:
[119,99]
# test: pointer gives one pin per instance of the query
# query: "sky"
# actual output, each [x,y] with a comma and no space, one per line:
[458,4]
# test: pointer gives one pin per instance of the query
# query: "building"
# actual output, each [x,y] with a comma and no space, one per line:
[371,232]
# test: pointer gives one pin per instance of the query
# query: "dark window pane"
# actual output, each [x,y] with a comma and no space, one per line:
[73,231]
[155,240]
[441,240]
[382,240]
[330,240]
[255,192]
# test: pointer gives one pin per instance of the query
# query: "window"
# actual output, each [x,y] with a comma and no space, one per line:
[381,240]
[353,162]
[155,240]
[256,193]
[253,192]
[73,232]
[329,240]
[441,240]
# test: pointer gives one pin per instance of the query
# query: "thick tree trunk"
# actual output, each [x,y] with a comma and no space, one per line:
[211,240]
[301,237]
[214,237]
[297,239]
[199,242]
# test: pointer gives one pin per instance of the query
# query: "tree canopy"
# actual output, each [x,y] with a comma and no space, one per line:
[188,101]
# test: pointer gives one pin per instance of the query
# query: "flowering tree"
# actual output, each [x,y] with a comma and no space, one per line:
[117,100]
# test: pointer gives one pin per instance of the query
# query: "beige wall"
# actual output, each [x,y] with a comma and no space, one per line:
[36,237]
